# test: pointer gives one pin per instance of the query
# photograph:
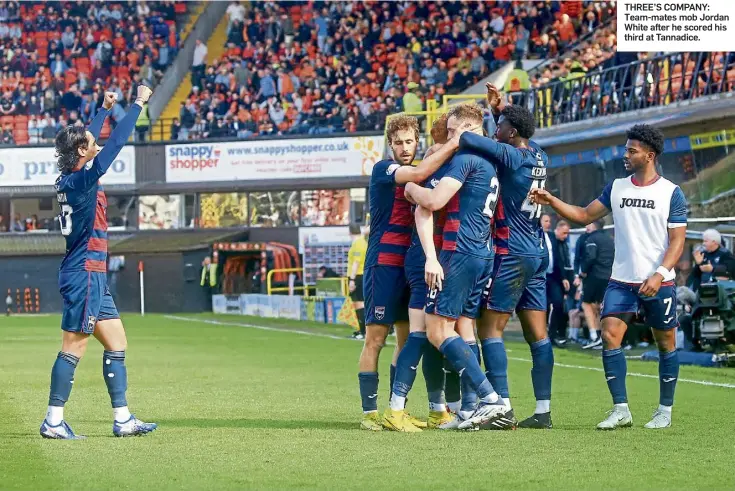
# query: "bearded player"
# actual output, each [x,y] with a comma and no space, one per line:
[417,347]
[384,280]
[650,215]
[89,309]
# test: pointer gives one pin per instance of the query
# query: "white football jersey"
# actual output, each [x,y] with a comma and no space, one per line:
[643,216]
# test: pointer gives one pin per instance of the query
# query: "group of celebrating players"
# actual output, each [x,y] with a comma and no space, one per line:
[456,246]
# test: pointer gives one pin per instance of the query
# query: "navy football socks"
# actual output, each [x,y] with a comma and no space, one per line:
[463,360]
[368,390]
[408,362]
[613,361]
[392,379]
[62,376]
[542,356]
[116,376]
[668,373]
[496,365]
[433,368]
[469,396]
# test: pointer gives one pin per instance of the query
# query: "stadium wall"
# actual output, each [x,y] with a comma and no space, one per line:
[171,282]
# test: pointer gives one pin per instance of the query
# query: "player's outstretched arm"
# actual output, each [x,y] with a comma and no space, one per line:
[433,273]
[501,154]
[434,199]
[429,165]
[95,127]
[577,214]
[433,160]
[121,133]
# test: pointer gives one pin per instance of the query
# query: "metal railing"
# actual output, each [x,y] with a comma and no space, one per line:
[646,83]
[270,289]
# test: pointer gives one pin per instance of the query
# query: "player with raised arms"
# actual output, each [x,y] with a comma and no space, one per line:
[469,191]
[384,280]
[650,215]
[88,306]
[521,258]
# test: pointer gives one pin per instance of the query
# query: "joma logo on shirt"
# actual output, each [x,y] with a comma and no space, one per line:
[638,203]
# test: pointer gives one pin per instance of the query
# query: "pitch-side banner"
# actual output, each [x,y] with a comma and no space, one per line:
[347,156]
[37,167]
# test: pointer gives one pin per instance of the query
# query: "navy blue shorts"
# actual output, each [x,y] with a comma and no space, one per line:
[659,311]
[418,287]
[386,295]
[518,283]
[465,278]
[86,300]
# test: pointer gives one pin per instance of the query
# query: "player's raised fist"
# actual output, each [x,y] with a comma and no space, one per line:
[493,96]
[110,100]
[540,196]
[144,93]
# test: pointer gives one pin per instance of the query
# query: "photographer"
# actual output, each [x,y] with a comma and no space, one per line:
[711,260]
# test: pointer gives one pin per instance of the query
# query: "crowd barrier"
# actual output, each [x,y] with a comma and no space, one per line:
[328,310]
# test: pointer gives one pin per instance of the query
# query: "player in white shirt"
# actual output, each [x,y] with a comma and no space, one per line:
[650,228]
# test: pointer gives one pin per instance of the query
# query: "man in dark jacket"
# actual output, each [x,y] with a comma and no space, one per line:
[711,260]
[558,278]
[595,269]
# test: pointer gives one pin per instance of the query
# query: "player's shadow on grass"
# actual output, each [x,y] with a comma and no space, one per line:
[278,424]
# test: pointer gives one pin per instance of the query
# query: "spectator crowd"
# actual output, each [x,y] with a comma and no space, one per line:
[58,58]
[325,67]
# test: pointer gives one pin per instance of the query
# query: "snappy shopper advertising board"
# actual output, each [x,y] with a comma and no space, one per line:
[273,159]
[36,166]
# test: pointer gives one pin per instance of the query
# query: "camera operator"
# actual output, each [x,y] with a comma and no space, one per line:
[711,260]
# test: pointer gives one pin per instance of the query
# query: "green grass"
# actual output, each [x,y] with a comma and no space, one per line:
[246,408]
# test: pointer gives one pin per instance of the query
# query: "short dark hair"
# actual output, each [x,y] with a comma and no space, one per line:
[648,135]
[521,119]
[68,142]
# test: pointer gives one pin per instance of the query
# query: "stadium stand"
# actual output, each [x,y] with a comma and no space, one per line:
[57,58]
[303,68]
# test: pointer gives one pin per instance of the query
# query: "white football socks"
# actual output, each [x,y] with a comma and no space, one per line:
[121,414]
[397,403]
[593,334]
[491,398]
[543,406]
[454,406]
[665,409]
[506,401]
[55,415]
[437,407]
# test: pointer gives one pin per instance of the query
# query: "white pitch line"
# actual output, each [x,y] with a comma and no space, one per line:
[635,374]
[332,336]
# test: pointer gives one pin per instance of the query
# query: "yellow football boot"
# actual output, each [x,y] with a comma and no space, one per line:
[415,421]
[371,421]
[398,421]
[437,419]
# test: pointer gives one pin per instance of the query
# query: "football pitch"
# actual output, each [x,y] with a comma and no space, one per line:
[245,402]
